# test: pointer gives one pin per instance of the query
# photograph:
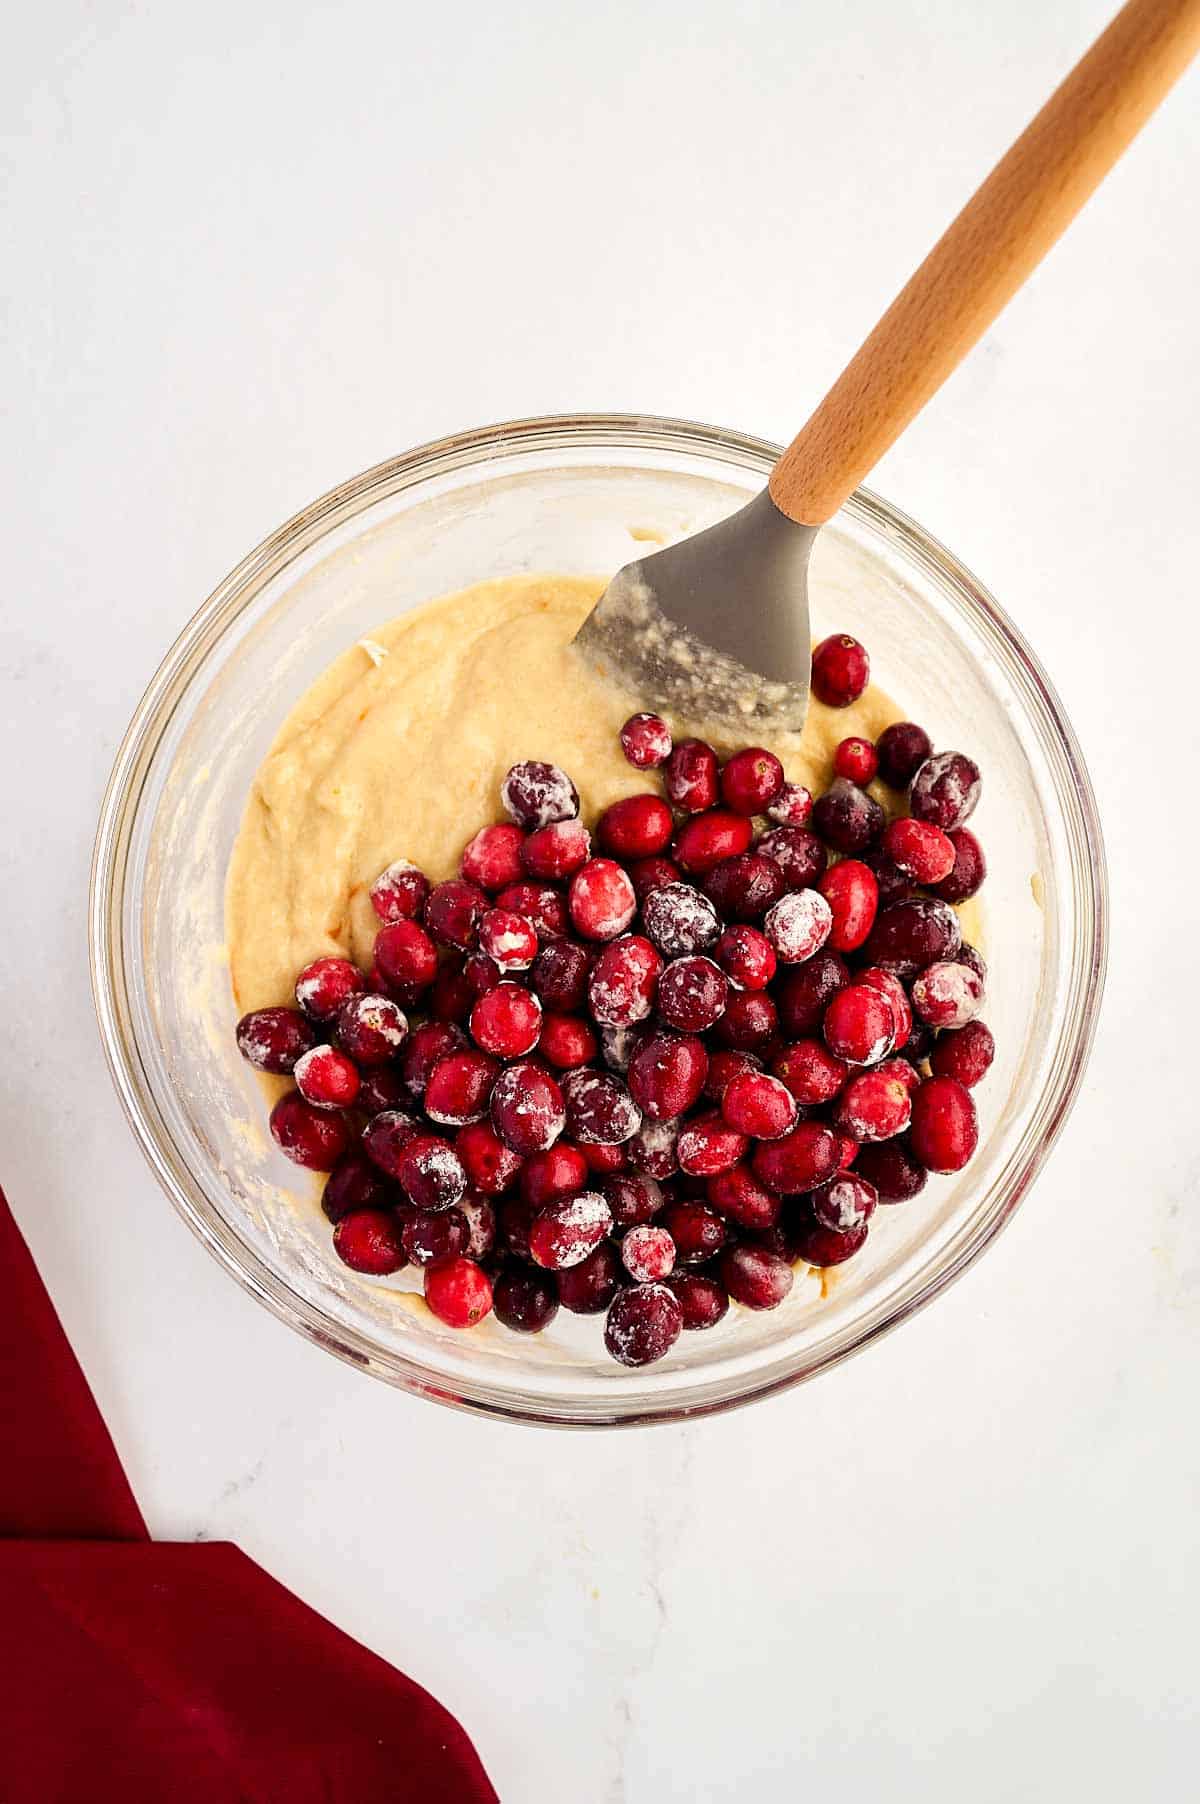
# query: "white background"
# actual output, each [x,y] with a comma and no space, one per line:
[252,248]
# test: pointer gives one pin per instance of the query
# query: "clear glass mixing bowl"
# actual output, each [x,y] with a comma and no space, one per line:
[574,495]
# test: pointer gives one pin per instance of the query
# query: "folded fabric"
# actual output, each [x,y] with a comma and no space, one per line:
[153,1671]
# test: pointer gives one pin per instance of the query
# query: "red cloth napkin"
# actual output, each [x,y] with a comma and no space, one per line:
[170,1673]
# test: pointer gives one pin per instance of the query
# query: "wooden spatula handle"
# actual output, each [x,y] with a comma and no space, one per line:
[1000,236]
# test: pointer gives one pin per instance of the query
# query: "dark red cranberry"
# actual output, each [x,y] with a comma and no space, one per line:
[747,957]
[453,913]
[327,1079]
[601,900]
[459,1087]
[323,986]
[691,776]
[666,1074]
[525,1301]
[643,1324]
[891,1168]
[945,1129]
[889,985]
[272,1039]
[860,1025]
[946,995]
[738,1195]
[491,1167]
[507,1022]
[708,1145]
[527,1108]
[647,874]
[893,885]
[632,1197]
[971,955]
[371,1029]
[702,1299]
[697,1231]
[589,1287]
[744,888]
[406,956]
[806,1157]
[821,1246]
[966,1053]
[539,904]
[369,1240]
[567,1042]
[398,894]
[568,1229]
[508,939]
[623,981]
[797,851]
[480,1218]
[750,1021]
[456,989]
[386,1139]
[513,1217]
[559,976]
[603,1161]
[653,1150]
[919,1044]
[600,1110]
[945,790]
[427,1045]
[847,818]
[493,858]
[968,871]
[707,840]
[428,1235]
[805,992]
[558,851]
[617,1045]
[559,1170]
[810,1071]
[847,1202]
[648,1254]
[919,849]
[914,933]
[680,920]
[314,1138]
[536,795]
[692,993]
[754,1277]
[723,1066]
[841,670]
[635,827]
[646,741]
[857,760]
[354,1183]
[903,749]
[792,807]
[431,1173]
[458,1292]
[852,893]
[751,780]
[798,925]
[759,1105]
[875,1105]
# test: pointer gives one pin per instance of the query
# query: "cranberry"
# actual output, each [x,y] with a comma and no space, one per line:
[759,1105]
[567,1042]
[965,1053]
[453,913]
[428,1235]
[601,900]
[600,1110]
[371,1029]
[743,888]
[539,904]
[696,1230]
[272,1039]
[803,995]
[617,1045]
[632,1197]
[525,1301]
[945,1130]
[890,986]
[507,1022]
[857,760]
[603,1161]
[508,939]
[557,851]
[648,1254]
[427,1046]
[692,993]
[527,1108]
[406,956]
[846,817]
[493,858]
[369,1240]
[680,920]
[459,1086]
[398,894]
[707,840]
[945,995]
[908,1074]
[919,1044]
[459,984]
[852,893]
[747,957]
[327,1079]
[903,748]
[458,1292]
[559,1170]
[354,1183]
[860,1025]
[702,1300]
[797,851]
[971,955]
[567,1230]
[841,670]
[806,1157]
[637,827]
[480,1218]
[536,795]
[821,1246]
[311,1137]
[738,1195]
[792,807]
[491,1167]
[922,851]
[691,776]
[559,976]
[643,1324]
[647,874]
[968,871]
[875,1105]
[892,883]
[798,925]
[848,1150]
[646,741]
[945,790]
[754,1277]
[431,1173]
[589,1287]
[723,1066]
[751,780]
[750,1021]
[708,1145]
[653,1150]
[623,982]
[810,1071]
[323,986]
[666,1074]
[909,935]
[513,1218]
[386,1139]
[891,1168]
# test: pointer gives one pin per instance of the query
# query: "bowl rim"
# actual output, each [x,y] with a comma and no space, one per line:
[164,692]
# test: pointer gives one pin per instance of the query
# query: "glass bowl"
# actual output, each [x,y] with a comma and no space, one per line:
[578,495]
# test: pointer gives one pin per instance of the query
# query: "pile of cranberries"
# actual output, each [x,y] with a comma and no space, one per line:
[641,1070]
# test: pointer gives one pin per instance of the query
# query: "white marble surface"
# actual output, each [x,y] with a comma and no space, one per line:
[257,248]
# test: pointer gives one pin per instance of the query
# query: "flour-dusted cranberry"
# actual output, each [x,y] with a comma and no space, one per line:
[703,1300]
[458,1292]
[759,1105]
[453,913]
[600,1110]
[491,1167]
[847,818]
[368,1240]
[680,920]
[646,741]
[723,1066]
[527,1108]
[965,1053]
[821,1246]
[945,790]
[618,1045]
[507,1023]
[624,980]
[635,827]
[648,1254]
[856,759]
[427,1235]
[890,1166]
[751,780]
[750,1022]
[371,1029]
[692,993]
[311,1137]
[567,1230]
[945,994]
[525,1301]
[537,794]
[852,893]
[666,1074]
[707,840]
[754,1277]
[559,974]
[919,849]
[945,1129]
[327,1079]
[841,670]
[875,1105]
[567,1041]
[792,807]
[431,1173]
[968,871]
[559,1170]
[398,894]
[889,985]
[654,1149]
[919,1044]
[707,1145]
[972,956]
[632,1198]
[648,874]
[386,1139]
[601,900]
[493,858]
[480,1218]
[354,1183]
[643,1324]
[459,1087]
[810,1071]
[691,776]
[797,851]
[539,904]
[914,933]
[427,1045]
[558,851]
[798,925]
[696,1229]
[508,939]
[739,1197]
[903,749]
[744,888]
[272,1039]
[323,986]
[406,956]
[805,992]
[860,1025]
[747,957]
[806,1157]
[891,881]
[589,1287]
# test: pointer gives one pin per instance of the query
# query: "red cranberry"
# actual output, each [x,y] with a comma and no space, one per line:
[805,993]
[965,1053]
[968,871]
[920,850]
[708,1145]
[751,780]
[539,904]
[821,1246]
[754,1277]
[428,1235]
[491,1167]
[759,1105]
[697,1231]
[632,1197]
[643,1324]
[600,1110]
[386,1139]
[806,1157]
[636,827]
[747,957]
[797,851]
[702,1300]
[431,1173]
[589,1287]
[646,741]
[527,1108]
[810,1071]
[692,993]
[272,1039]
[846,817]
[723,1066]
[559,1170]
[860,1025]
[480,1218]
[406,956]
[666,1074]
[459,1086]
[691,776]
[707,840]
[557,851]
[853,895]
[567,1042]
[310,1137]
[679,920]
[623,982]
[738,1195]
[327,1079]
[945,1130]
[875,1105]
[909,935]
[567,1230]
[493,858]
[323,986]
[891,1168]
[617,1045]
[368,1240]
[893,885]
[371,1029]
[601,900]
[653,1150]
[507,1022]
[458,1292]
[945,995]
[559,976]
[792,807]
[903,749]
[945,790]
[427,1046]
[750,1021]
[848,1150]
[841,670]
[857,760]
[508,939]
[648,1254]
[798,925]
[398,894]
[603,1161]
[890,986]
[525,1301]
[647,874]
[453,913]
[536,795]
[743,888]
[354,1183]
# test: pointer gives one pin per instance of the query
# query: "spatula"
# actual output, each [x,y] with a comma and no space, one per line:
[715,629]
